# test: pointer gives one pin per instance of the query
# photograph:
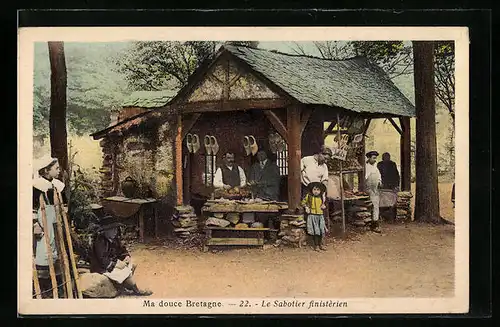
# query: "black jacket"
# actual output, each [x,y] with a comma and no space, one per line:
[268,179]
[389,173]
[105,254]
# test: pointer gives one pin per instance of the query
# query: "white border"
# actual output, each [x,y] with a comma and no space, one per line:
[26,38]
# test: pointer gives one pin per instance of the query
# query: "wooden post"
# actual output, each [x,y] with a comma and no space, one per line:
[294,157]
[178,160]
[62,248]
[70,248]
[155,212]
[341,178]
[361,174]
[141,223]
[36,282]
[50,258]
[186,178]
[405,153]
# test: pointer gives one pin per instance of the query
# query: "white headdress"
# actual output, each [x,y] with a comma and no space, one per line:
[42,163]
[41,183]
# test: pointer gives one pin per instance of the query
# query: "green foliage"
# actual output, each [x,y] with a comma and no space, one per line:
[394,57]
[444,73]
[94,88]
[160,65]
[155,65]
[83,193]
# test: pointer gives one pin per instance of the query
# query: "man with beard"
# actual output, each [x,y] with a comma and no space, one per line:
[229,176]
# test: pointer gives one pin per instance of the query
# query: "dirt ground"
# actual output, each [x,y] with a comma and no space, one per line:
[413,260]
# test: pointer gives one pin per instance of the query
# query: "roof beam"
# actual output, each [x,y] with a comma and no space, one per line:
[189,123]
[400,131]
[330,127]
[367,124]
[304,118]
[277,124]
[231,105]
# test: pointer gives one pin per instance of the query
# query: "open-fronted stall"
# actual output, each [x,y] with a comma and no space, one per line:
[245,91]
[244,94]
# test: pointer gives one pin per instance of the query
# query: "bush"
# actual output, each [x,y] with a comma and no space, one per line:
[84,192]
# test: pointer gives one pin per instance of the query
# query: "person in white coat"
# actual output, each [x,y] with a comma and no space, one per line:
[373,182]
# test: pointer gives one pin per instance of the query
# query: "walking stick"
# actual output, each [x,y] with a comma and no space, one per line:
[70,246]
[45,226]
[36,282]
[62,248]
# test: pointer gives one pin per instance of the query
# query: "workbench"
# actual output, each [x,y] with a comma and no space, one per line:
[230,236]
[124,208]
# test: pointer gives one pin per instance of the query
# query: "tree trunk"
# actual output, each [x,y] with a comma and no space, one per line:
[427,194]
[57,118]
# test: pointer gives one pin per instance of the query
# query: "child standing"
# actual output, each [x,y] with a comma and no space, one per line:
[314,206]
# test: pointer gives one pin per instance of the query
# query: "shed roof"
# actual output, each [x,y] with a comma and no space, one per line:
[149,99]
[143,99]
[354,84]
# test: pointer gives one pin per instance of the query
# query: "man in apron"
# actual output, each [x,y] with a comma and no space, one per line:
[373,182]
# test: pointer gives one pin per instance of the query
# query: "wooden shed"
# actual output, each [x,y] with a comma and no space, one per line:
[246,91]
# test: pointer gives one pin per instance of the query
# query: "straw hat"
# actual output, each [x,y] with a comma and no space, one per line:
[319,185]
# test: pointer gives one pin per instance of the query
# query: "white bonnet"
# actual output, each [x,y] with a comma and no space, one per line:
[42,163]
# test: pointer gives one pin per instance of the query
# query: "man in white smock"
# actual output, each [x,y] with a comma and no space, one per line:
[314,169]
[373,182]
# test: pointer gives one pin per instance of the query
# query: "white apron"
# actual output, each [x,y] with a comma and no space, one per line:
[372,189]
[41,256]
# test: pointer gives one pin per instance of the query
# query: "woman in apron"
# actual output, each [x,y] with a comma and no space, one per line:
[45,184]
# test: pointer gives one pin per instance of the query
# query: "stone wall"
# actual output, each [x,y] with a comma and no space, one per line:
[136,159]
[107,167]
[145,155]
[165,161]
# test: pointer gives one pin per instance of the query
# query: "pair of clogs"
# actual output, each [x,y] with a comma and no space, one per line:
[211,144]
[193,143]
[250,145]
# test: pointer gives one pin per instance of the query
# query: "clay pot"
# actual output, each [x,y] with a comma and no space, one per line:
[129,187]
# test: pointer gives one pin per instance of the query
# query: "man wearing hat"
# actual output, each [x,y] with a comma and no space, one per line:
[373,182]
[314,169]
[110,258]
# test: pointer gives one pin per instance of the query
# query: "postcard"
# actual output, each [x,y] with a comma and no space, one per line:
[243,170]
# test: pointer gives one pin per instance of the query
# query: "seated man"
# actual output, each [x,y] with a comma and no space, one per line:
[110,258]
[264,176]
[229,176]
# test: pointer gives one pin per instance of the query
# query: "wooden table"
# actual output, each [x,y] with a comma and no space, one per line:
[131,207]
